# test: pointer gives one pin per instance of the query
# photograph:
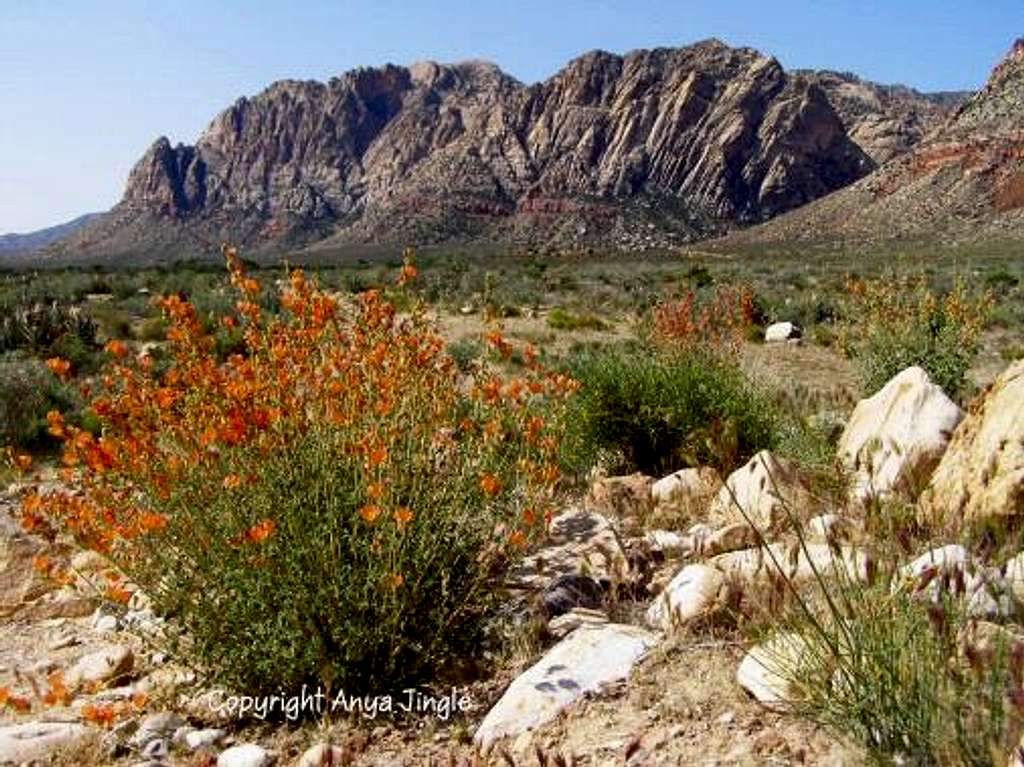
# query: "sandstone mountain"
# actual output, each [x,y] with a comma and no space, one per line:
[652,148]
[964,181]
[884,120]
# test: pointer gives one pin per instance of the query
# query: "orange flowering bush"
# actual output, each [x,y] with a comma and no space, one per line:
[718,324]
[893,323]
[332,504]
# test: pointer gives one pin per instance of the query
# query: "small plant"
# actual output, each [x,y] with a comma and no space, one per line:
[328,505]
[659,412]
[28,391]
[895,323]
[561,319]
[718,324]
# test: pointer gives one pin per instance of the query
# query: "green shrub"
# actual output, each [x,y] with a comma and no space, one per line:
[36,325]
[466,352]
[888,668]
[657,413]
[152,329]
[329,506]
[895,323]
[561,319]
[28,391]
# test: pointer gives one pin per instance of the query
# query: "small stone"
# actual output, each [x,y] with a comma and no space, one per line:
[208,738]
[155,749]
[768,671]
[565,624]
[782,331]
[321,754]
[35,741]
[106,623]
[161,725]
[245,755]
[101,666]
[568,591]
[694,592]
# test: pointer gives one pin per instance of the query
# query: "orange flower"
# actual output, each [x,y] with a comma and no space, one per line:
[58,693]
[262,531]
[59,367]
[23,461]
[397,579]
[369,513]
[231,481]
[375,490]
[115,592]
[150,521]
[56,423]
[117,348]
[490,484]
[403,516]
[18,703]
[517,539]
[103,714]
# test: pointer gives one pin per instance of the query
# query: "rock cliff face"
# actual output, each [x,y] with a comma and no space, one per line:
[963,181]
[885,120]
[655,147]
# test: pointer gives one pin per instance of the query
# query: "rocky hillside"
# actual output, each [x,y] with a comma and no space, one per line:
[885,120]
[29,241]
[652,148]
[965,181]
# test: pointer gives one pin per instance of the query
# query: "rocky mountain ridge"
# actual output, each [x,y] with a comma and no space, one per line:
[652,148]
[964,181]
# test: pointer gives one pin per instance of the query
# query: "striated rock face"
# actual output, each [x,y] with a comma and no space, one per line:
[885,120]
[965,180]
[678,143]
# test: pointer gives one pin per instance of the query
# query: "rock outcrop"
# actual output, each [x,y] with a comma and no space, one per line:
[655,147]
[964,181]
[981,475]
[895,438]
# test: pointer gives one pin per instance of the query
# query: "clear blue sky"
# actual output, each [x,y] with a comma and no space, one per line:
[86,86]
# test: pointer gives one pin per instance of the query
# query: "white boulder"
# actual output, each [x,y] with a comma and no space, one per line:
[764,493]
[895,438]
[35,741]
[694,592]
[778,332]
[771,671]
[584,662]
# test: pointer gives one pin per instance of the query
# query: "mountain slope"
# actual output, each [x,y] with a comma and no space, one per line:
[30,241]
[885,120]
[966,180]
[655,147]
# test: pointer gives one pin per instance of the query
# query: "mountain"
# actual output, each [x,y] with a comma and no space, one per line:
[884,120]
[30,241]
[964,181]
[652,148]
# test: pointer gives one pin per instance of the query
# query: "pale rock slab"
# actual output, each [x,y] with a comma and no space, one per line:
[584,662]
[768,670]
[779,332]
[981,475]
[35,741]
[245,755]
[101,666]
[695,591]
[896,437]
[767,489]
[579,541]
[686,486]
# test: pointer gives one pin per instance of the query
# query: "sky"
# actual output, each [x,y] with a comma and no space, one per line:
[86,86]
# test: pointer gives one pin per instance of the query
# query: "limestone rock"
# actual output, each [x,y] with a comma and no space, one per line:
[793,562]
[981,475]
[245,755]
[565,624]
[321,754]
[895,438]
[579,542]
[584,662]
[36,741]
[687,488]
[696,591]
[769,671]
[101,666]
[738,535]
[765,489]
[779,332]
